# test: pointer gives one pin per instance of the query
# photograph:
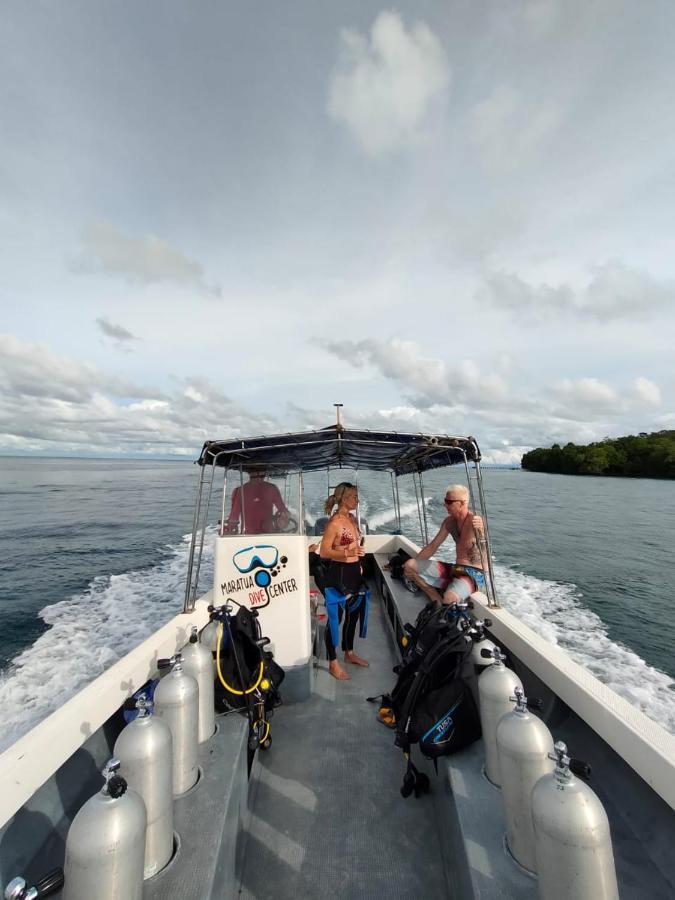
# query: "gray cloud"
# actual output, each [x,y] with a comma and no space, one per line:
[384,87]
[140,260]
[614,291]
[116,332]
[29,370]
[424,381]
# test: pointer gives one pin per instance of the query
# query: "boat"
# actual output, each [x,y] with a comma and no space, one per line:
[320,811]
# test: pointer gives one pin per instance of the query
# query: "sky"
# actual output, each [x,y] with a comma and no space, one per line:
[218,219]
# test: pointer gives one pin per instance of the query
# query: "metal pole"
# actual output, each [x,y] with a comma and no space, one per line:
[398,505]
[419,511]
[188,585]
[486,548]
[222,507]
[424,509]
[301,490]
[242,514]
[201,543]
[358,505]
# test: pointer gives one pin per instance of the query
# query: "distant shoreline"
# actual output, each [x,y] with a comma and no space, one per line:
[635,456]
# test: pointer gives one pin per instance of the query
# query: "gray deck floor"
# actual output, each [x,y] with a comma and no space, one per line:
[327,818]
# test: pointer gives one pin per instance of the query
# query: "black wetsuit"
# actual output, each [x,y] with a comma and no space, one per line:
[347,579]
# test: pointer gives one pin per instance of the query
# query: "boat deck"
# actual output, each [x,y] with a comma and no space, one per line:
[326,815]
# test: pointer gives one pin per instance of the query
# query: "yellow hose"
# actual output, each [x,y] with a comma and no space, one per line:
[220,674]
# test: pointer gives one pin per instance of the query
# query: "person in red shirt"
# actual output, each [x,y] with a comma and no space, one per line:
[261,499]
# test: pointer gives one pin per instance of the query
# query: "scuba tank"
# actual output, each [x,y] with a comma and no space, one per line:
[198,662]
[480,643]
[106,844]
[177,703]
[145,751]
[17,889]
[573,845]
[496,686]
[524,747]
[209,634]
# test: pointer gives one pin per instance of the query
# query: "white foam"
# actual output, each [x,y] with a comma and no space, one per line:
[89,632]
[92,630]
[389,515]
[555,612]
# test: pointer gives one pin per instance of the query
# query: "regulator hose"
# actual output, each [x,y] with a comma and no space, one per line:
[228,687]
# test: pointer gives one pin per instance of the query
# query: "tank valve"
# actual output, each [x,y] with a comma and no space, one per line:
[144,706]
[48,884]
[115,786]
[520,700]
[567,766]
[496,654]
[172,662]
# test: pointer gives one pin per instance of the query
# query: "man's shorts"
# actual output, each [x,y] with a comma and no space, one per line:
[461,580]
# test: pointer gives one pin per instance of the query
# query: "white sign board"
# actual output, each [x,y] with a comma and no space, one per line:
[270,573]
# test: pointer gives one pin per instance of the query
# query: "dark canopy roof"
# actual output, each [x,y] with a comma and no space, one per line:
[337,447]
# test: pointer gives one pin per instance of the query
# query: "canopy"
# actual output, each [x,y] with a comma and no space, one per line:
[338,447]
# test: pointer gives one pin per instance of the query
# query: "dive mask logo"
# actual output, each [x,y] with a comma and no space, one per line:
[260,556]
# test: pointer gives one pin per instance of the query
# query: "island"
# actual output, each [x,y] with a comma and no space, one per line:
[638,456]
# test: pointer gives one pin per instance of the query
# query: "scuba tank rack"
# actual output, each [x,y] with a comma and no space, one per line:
[245,671]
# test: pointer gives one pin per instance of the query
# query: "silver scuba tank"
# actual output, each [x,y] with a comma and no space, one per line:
[572,841]
[177,704]
[145,751]
[496,685]
[198,662]
[105,846]
[524,746]
[209,635]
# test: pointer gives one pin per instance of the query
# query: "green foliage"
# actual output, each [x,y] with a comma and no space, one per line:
[644,455]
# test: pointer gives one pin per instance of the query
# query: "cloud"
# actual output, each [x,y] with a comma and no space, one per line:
[30,370]
[384,88]
[508,130]
[140,260]
[48,403]
[587,394]
[423,380]
[647,392]
[116,332]
[614,291]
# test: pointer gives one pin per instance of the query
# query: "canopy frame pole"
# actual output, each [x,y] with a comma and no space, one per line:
[301,492]
[419,511]
[398,505]
[222,505]
[394,493]
[358,504]
[242,513]
[485,545]
[199,522]
[424,509]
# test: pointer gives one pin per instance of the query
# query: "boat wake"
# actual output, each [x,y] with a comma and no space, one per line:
[92,630]
[556,612]
[89,632]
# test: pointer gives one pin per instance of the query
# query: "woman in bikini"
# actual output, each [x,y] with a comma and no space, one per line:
[341,548]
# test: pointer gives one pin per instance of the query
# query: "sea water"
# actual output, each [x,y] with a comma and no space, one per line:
[93,557]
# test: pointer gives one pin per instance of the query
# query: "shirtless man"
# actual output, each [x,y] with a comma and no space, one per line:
[451,582]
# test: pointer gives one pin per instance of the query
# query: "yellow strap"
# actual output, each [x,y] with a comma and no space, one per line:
[267,729]
[220,674]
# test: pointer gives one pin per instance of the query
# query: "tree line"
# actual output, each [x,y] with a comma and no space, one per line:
[643,455]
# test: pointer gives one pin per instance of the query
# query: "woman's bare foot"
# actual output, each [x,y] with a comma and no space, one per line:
[337,671]
[355,660]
